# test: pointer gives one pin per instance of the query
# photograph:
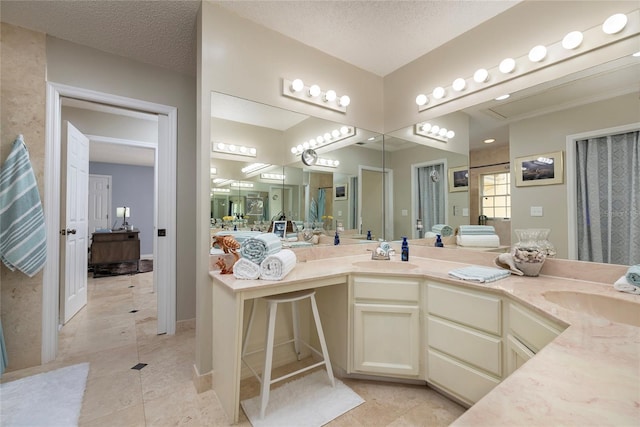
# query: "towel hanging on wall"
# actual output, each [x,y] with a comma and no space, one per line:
[23,243]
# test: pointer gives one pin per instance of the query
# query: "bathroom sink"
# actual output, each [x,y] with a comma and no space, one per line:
[385,265]
[616,310]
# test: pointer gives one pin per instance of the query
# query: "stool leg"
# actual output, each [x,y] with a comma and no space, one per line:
[268,360]
[249,325]
[296,328]
[323,343]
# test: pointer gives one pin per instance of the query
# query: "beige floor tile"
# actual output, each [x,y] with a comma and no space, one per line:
[132,416]
[108,394]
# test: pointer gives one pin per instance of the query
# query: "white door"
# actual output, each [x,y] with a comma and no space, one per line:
[276,206]
[99,202]
[73,221]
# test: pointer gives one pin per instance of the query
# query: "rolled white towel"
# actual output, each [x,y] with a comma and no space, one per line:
[623,285]
[278,265]
[246,269]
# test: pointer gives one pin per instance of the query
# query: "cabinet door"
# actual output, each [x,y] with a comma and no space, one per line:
[517,354]
[386,339]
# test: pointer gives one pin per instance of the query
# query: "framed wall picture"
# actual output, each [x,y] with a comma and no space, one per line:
[539,169]
[280,228]
[340,192]
[459,179]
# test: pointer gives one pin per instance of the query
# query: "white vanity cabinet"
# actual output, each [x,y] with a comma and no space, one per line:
[527,334]
[464,340]
[385,326]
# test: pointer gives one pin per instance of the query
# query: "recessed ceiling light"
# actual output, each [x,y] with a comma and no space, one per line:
[489,141]
[503,97]
[637,54]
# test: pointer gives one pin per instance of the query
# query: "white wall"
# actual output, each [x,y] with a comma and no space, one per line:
[84,67]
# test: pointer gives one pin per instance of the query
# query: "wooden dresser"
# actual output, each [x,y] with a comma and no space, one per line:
[114,247]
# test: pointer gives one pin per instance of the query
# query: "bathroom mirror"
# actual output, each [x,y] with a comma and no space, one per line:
[257,174]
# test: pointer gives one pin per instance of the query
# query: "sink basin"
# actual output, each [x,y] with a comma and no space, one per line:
[613,309]
[385,265]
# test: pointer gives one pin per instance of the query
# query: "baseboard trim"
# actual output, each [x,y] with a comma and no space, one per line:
[202,382]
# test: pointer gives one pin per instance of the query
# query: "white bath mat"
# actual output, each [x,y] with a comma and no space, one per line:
[306,402]
[49,399]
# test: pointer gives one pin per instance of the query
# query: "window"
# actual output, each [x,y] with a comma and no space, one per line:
[496,195]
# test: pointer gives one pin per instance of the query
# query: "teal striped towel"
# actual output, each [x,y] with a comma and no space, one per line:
[257,248]
[442,229]
[23,239]
[476,229]
[633,275]
[476,273]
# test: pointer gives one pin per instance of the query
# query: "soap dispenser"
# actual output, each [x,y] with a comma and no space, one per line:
[405,250]
[439,243]
[368,234]
[336,239]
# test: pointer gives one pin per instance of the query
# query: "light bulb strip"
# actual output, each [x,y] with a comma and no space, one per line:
[429,130]
[314,95]
[325,139]
[254,167]
[572,45]
[273,176]
[329,163]
[233,149]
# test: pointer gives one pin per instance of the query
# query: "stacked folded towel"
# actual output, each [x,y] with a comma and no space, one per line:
[246,269]
[240,236]
[633,275]
[278,265]
[476,230]
[479,274]
[442,229]
[630,282]
[257,248]
[478,241]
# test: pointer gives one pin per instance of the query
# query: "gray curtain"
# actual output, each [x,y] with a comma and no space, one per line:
[608,187]
[353,203]
[431,196]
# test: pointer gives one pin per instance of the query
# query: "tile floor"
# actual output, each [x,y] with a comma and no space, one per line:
[113,339]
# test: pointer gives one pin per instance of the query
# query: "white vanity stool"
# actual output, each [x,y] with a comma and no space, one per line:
[272,308]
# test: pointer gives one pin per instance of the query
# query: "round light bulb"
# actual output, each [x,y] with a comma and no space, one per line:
[232,148]
[435,129]
[481,75]
[443,132]
[335,133]
[426,127]
[507,65]
[243,149]
[572,40]
[422,100]
[344,130]
[314,90]
[345,101]
[319,140]
[297,85]
[615,23]
[438,93]
[220,145]
[305,145]
[253,151]
[327,136]
[336,163]
[451,134]
[537,53]
[300,148]
[312,142]
[459,84]
[330,96]
[294,150]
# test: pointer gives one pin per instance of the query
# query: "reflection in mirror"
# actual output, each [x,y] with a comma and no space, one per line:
[258,176]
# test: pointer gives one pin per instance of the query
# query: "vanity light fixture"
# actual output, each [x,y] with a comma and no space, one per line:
[221,190]
[241,184]
[313,94]
[436,132]
[273,176]
[537,53]
[239,150]
[213,171]
[489,141]
[220,181]
[615,23]
[254,167]
[321,161]
[325,139]
[572,40]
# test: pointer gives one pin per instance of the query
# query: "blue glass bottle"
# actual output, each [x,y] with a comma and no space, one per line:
[405,250]
[439,243]
[368,234]
[336,239]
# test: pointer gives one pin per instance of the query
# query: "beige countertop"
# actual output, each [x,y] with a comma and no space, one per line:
[589,375]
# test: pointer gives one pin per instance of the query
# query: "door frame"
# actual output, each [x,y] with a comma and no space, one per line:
[165,210]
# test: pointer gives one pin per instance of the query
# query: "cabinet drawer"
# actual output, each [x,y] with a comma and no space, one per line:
[532,330]
[456,377]
[482,312]
[468,345]
[386,289]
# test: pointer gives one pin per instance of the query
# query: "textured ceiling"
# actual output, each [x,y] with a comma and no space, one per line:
[377,36]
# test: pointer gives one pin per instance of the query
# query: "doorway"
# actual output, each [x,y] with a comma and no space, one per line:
[164,239]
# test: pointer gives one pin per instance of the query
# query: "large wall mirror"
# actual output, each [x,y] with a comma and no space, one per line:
[257,173]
